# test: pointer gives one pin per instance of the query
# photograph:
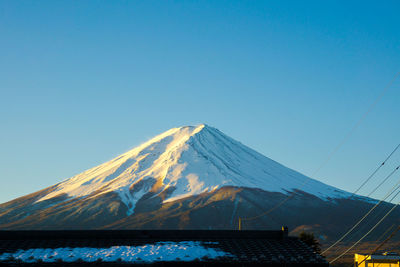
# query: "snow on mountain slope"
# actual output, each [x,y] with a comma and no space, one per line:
[189,160]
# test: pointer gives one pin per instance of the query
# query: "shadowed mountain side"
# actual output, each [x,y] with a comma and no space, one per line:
[17,209]
[84,213]
[221,209]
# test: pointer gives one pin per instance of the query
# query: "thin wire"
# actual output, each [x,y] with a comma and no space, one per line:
[358,122]
[387,231]
[330,155]
[373,228]
[365,216]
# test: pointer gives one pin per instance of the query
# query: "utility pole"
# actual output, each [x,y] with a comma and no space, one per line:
[240,224]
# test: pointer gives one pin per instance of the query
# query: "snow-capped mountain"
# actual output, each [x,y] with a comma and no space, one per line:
[189,161]
[176,180]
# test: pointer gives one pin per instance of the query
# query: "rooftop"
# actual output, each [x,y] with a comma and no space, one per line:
[219,247]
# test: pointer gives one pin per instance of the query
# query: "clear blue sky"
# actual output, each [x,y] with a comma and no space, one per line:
[83,81]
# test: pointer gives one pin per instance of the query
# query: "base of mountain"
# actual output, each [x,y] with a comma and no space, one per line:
[220,209]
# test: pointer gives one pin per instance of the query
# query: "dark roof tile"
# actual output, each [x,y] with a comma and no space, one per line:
[248,247]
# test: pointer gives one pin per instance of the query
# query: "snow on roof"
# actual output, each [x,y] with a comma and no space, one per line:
[161,251]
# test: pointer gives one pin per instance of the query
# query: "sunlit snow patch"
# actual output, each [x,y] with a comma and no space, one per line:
[161,251]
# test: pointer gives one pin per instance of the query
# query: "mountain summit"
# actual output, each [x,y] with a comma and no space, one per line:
[187,161]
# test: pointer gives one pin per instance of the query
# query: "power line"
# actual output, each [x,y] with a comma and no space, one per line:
[377,215]
[373,228]
[373,173]
[373,191]
[330,155]
[394,188]
[369,177]
[377,169]
[387,195]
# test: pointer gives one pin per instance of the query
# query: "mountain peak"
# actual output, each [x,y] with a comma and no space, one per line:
[194,129]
